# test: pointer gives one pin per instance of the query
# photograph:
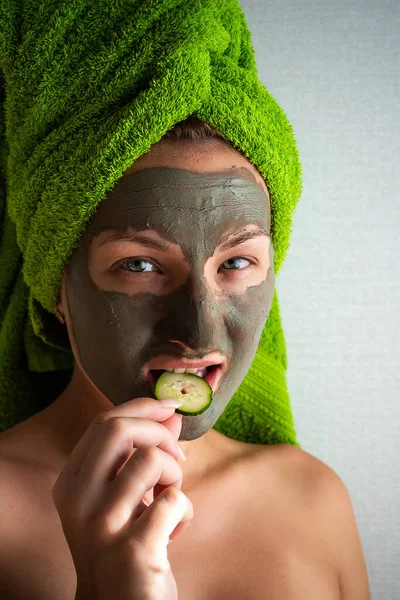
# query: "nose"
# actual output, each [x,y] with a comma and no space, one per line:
[193,319]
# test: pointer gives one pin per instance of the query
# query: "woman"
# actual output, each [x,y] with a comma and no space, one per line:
[173,269]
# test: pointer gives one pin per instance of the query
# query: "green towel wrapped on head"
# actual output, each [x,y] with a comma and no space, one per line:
[86,88]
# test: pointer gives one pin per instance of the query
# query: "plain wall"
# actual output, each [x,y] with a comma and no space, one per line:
[334,69]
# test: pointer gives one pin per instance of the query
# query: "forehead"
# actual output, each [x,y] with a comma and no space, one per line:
[207,156]
[164,197]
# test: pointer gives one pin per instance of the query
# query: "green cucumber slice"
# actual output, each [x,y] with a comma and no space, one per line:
[195,392]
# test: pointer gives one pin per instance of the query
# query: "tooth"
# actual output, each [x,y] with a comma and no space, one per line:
[178,370]
[169,370]
[192,370]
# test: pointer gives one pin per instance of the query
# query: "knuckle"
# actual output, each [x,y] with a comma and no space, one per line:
[173,495]
[150,456]
[116,425]
[145,555]
[101,418]
[159,566]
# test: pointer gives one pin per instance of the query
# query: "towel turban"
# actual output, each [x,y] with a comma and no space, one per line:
[86,87]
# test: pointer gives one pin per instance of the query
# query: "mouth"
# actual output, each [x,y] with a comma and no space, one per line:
[212,373]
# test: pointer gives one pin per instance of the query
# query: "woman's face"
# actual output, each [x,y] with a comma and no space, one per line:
[175,265]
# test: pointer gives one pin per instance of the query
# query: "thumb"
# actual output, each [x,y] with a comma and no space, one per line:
[174,424]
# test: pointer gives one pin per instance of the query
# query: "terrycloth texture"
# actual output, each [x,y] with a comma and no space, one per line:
[86,88]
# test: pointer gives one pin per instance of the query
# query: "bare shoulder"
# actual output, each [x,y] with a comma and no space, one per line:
[337,518]
[18,484]
[10,499]
[10,469]
[27,523]
[323,493]
[298,469]
[25,474]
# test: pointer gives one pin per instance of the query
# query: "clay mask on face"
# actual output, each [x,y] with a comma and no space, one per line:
[124,312]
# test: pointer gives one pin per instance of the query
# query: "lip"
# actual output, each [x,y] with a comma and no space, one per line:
[213,378]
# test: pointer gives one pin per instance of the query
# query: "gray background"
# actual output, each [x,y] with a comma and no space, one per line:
[334,69]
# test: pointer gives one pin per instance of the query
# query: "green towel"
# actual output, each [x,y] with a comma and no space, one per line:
[86,87]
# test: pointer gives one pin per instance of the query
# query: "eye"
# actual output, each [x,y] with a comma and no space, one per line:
[137,265]
[235,262]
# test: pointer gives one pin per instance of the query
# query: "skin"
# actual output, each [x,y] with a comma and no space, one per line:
[186,302]
[299,488]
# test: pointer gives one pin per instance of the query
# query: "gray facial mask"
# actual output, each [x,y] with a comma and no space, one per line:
[118,330]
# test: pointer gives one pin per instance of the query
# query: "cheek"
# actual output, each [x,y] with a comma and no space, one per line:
[103,325]
[247,314]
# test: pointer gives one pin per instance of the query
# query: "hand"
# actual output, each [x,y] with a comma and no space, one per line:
[118,544]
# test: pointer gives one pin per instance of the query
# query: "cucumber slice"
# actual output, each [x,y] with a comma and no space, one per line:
[195,392]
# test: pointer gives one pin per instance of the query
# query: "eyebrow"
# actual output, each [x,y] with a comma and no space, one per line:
[230,241]
[129,236]
[234,239]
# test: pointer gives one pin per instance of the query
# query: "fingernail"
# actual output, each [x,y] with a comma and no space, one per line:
[171,402]
[181,452]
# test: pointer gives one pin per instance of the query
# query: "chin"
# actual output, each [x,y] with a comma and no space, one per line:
[194,427]
[191,430]
[189,437]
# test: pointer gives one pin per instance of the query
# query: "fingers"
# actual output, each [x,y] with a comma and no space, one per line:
[161,519]
[126,452]
[139,407]
[114,445]
[174,424]
[143,470]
